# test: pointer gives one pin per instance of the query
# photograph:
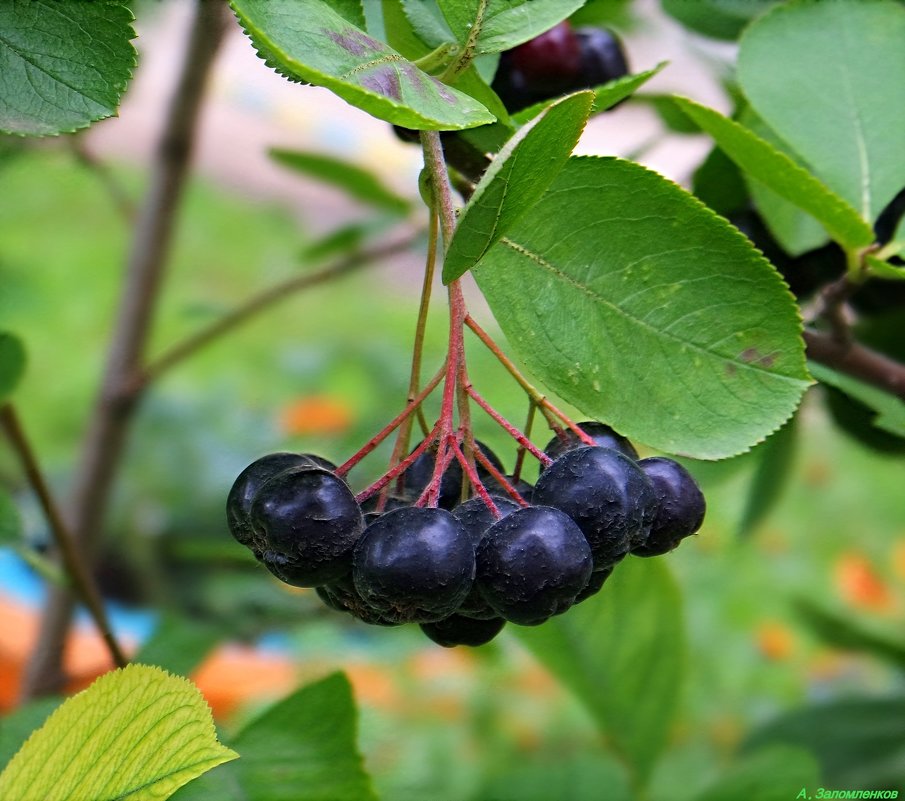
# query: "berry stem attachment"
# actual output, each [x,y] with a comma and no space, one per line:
[510,429]
[520,455]
[471,473]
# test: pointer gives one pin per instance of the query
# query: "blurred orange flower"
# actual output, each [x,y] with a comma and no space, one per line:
[317,414]
[860,585]
[775,640]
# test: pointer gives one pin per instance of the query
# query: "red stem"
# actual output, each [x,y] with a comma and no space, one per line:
[399,469]
[504,482]
[475,480]
[510,429]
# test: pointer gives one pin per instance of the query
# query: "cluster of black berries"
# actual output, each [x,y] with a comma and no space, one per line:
[463,571]
[557,62]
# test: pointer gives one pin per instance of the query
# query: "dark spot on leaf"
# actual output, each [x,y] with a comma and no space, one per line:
[749,355]
[768,360]
[730,369]
[414,77]
[356,42]
[384,81]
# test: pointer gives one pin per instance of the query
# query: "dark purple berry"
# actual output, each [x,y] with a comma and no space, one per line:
[342,596]
[311,518]
[680,506]
[245,487]
[418,476]
[605,493]
[602,57]
[594,585]
[532,564]
[457,630]
[602,434]
[414,565]
[551,60]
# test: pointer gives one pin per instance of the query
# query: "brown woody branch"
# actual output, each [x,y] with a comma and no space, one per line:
[857,361]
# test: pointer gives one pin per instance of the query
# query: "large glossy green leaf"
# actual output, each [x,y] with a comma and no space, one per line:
[12,363]
[762,161]
[515,180]
[827,78]
[859,742]
[606,95]
[794,229]
[360,183]
[495,25]
[65,63]
[309,41]
[640,306]
[719,19]
[776,773]
[301,749]
[622,654]
[136,733]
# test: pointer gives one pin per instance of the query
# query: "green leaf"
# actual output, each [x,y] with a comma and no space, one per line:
[605,96]
[719,19]
[10,521]
[308,41]
[764,162]
[543,778]
[890,409]
[822,75]
[503,24]
[12,363]
[622,654]
[776,773]
[137,732]
[883,269]
[65,64]
[776,457]
[301,749]
[859,742]
[16,726]
[427,22]
[179,644]
[515,180]
[350,10]
[850,634]
[719,184]
[640,306]
[795,230]
[670,114]
[357,181]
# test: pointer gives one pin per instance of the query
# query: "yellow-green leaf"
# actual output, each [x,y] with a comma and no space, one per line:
[138,733]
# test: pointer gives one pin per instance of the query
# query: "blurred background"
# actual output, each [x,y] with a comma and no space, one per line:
[792,596]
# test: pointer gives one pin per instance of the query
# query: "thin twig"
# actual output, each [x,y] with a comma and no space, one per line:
[262,301]
[105,438]
[77,572]
[857,361]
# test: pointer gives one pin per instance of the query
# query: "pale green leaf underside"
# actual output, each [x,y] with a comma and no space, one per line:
[606,95]
[357,181]
[503,24]
[12,363]
[637,304]
[827,77]
[515,180]
[63,64]
[762,161]
[628,682]
[309,41]
[301,749]
[137,733]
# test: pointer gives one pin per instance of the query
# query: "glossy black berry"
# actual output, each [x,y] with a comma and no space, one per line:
[680,506]
[342,596]
[311,518]
[594,585]
[532,564]
[477,520]
[420,472]
[457,630]
[414,565]
[605,493]
[245,487]
[602,434]
[602,57]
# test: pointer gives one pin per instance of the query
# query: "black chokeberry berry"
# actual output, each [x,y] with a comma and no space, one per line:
[602,434]
[414,565]
[457,630]
[605,493]
[532,564]
[418,476]
[310,517]
[594,585]
[342,596]
[680,506]
[602,56]
[245,487]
